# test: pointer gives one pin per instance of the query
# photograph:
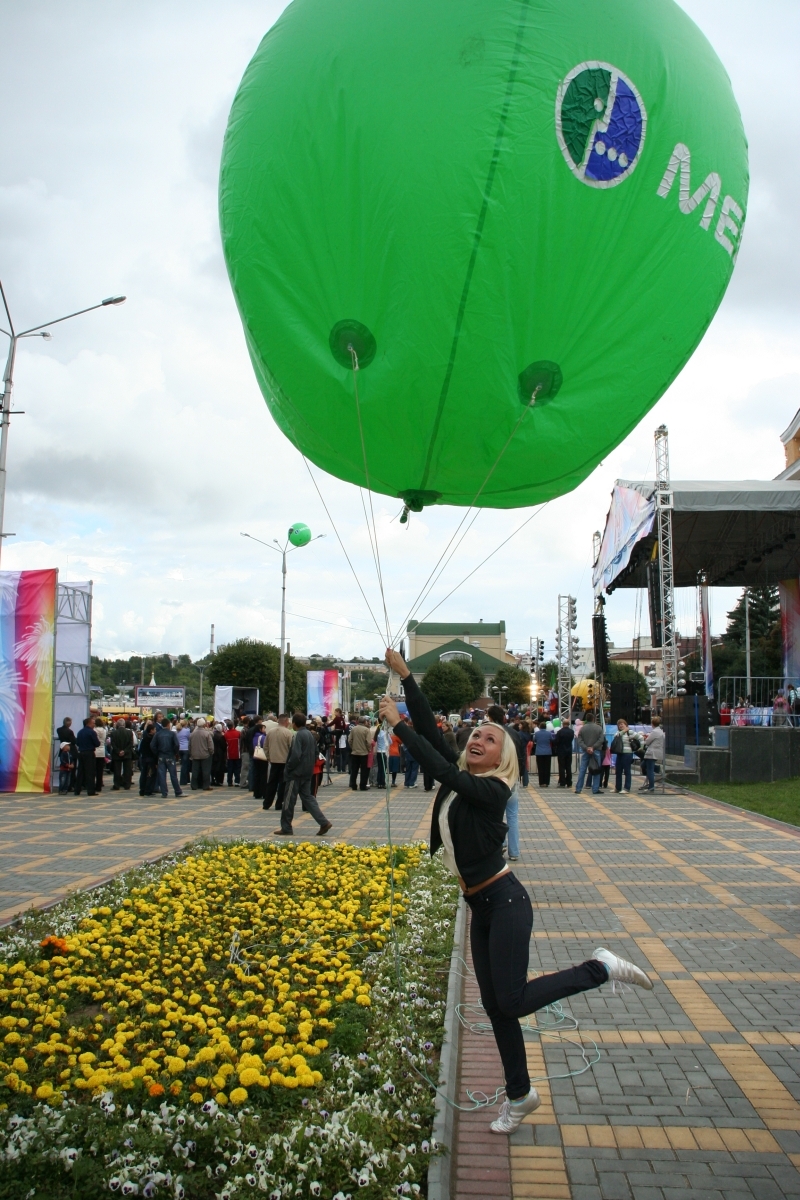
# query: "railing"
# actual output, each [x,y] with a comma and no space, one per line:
[759,700]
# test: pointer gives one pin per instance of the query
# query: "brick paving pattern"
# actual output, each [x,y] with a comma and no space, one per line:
[697,1092]
[51,845]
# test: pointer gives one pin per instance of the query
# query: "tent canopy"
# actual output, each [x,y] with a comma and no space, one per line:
[740,534]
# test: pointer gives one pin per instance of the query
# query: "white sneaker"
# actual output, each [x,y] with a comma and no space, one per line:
[621,970]
[512,1112]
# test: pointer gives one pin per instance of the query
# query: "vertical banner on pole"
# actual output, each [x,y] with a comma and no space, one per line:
[27,669]
[322,693]
[705,625]
[789,592]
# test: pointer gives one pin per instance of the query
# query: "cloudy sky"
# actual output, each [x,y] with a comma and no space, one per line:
[146,447]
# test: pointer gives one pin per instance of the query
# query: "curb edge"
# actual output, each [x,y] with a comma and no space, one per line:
[444,1120]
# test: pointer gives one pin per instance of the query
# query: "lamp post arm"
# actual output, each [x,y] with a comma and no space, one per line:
[69,316]
[8,382]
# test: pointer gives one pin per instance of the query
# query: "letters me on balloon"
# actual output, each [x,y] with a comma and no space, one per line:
[454,239]
[731,216]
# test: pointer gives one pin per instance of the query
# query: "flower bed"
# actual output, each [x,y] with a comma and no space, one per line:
[241,1019]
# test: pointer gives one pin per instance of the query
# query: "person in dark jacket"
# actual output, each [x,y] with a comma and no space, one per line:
[86,742]
[165,746]
[562,748]
[122,755]
[148,761]
[297,776]
[65,734]
[468,823]
[219,759]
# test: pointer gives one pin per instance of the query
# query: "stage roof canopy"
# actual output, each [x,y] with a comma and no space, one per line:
[744,534]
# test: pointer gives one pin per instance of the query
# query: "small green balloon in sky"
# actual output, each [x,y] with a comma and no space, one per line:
[299,534]
[505,221]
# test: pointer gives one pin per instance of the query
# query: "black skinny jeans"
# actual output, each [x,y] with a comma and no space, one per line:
[500,934]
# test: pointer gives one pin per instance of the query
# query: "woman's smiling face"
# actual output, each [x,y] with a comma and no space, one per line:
[484,748]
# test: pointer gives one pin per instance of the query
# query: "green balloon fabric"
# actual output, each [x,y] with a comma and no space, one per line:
[299,534]
[516,218]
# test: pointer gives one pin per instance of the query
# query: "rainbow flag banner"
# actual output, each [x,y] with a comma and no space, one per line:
[323,693]
[27,671]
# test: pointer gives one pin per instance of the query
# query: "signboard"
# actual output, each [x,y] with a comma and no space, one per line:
[173,698]
[323,692]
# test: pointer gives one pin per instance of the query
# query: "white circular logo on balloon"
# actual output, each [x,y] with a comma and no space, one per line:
[600,124]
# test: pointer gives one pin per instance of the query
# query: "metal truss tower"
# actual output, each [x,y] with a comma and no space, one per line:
[566,643]
[663,498]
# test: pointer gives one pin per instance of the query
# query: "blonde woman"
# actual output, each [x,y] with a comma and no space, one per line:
[468,824]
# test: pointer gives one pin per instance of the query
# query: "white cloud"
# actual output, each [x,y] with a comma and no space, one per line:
[146,447]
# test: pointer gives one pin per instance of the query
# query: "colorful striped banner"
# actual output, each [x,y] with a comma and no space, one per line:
[27,670]
[323,692]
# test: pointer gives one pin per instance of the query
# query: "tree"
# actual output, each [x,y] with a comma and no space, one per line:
[366,683]
[766,651]
[516,681]
[250,663]
[447,686]
[619,672]
[475,676]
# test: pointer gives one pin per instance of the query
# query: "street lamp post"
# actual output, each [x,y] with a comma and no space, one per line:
[283,552]
[8,380]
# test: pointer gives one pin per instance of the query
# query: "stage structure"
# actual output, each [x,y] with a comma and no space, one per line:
[744,533]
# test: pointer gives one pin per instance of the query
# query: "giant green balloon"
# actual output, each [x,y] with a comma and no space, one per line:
[485,201]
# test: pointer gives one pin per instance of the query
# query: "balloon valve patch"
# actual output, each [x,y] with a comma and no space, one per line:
[415,501]
[352,344]
[539,381]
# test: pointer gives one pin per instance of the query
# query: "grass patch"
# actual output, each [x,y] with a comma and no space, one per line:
[779,800]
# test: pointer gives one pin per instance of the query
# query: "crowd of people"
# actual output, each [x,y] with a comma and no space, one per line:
[283,759]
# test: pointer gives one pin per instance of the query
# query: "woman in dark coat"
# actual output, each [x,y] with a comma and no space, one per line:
[260,765]
[148,762]
[219,759]
[468,824]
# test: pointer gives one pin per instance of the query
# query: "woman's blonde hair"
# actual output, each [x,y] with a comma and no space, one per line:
[508,767]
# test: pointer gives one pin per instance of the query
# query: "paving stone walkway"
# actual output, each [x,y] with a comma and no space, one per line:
[51,845]
[697,1092]
[696,1095]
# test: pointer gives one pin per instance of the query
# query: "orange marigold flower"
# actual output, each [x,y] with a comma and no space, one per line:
[156,1089]
[54,945]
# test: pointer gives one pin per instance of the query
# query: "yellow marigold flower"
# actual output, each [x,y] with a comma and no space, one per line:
[174,1065]
[221,1098]
[87,1057]
[196,1097]
[238,1095]
[248,1077]
[44,1091]
[364,1001]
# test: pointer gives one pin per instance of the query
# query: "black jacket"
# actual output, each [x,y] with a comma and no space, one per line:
[121,743]
[302,756]
[476,814]
[562,742]
[165,743]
